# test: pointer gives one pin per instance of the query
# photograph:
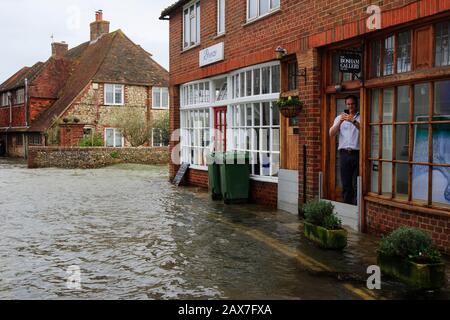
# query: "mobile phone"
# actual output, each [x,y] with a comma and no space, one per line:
[347,111]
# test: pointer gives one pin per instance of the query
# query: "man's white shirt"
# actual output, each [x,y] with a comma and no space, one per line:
[348,134]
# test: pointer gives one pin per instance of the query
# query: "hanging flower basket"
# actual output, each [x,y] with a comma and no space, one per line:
[289,107]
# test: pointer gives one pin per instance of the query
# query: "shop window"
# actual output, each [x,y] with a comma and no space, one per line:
[114,138]
[195,93]
[260,8]
[191,25]
[442,44]
[220,89]
[400,160]
[258,81]
[195,136]
[114,94]
[404,52]
[256,129]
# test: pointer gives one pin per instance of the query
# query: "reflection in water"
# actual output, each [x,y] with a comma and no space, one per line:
[135,236]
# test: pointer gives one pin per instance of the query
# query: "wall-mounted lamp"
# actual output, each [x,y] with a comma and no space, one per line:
[338,88]
[281,52]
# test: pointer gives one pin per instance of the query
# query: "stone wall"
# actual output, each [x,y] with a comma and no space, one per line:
[96,157]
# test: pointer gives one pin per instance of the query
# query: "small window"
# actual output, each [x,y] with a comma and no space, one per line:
[220,16]
[292,75]
[4,99]
[35,139]
[113,138]
[158,138]
[260,8]
[442,43]
[114,94]
[389,45]
[20,96]
[160,98]
[404,52]
[191,25]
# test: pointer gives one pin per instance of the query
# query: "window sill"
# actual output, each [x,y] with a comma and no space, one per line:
[264,179]
[156,108]
[250,22]
[190,48]
[219,36]
[408,206]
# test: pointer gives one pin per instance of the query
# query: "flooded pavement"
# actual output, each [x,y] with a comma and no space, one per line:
[135,236]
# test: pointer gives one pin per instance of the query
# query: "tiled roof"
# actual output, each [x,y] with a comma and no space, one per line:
[18,79]
[167,11]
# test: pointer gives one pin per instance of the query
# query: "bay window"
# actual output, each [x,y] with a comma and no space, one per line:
[410,143]
[195,139]
[114,94]
[191,25]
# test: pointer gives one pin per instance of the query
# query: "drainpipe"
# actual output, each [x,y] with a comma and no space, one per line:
[10,109]
[304,174]
[25,94]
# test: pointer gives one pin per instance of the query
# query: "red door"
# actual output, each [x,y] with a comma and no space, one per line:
[220,128]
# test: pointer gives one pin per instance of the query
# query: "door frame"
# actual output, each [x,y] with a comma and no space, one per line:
[218,125]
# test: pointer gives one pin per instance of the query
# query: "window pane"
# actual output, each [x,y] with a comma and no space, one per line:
[156,97]
[389,45]
[193,26]
[403,104]
[442,44]
[249,83]
[263,7]
[375,106]
[420,146]
[374,145]
[118,90]
[275,115]
[249,115]
[221,16]
[276,140]
[387,142]
[441,186]
[421,102]
[401,181]
[265,80]
[109,89]
[376,59]
[275,79]
[386,182]
[186,28]
[118,138]
[402,142]
[441,144]
[256,82]
[388,104]
[257,114]
[374,168]
[266,114]
[274,4]
[420,183]
[404,52]
[242,83]
[442,99]
[252,8]
[109,137]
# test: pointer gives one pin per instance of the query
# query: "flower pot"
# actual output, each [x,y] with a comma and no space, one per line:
[327,239]
[290,111]
[422,276]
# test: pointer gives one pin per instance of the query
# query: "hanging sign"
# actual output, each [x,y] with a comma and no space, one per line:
[212,54]
[350,63]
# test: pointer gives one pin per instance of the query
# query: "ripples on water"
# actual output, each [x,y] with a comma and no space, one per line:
[135,236]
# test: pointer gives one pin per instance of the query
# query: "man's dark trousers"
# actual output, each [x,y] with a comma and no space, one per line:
[349,162]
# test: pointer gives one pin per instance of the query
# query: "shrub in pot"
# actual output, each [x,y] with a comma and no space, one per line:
[410,255]
[322,226]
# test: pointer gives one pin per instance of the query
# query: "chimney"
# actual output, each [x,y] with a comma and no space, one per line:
[59,49]
[99,27]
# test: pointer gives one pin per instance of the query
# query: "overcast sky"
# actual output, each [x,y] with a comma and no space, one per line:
[26,27]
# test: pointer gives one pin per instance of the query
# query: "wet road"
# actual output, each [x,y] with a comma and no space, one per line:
[135,236]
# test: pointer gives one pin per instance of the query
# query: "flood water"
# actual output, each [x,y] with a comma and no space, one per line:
[135,236]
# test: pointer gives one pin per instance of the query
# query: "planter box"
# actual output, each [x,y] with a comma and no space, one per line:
[423,276]
[327,239]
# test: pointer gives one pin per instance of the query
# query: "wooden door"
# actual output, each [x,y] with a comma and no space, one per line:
[220,127]
[289,143]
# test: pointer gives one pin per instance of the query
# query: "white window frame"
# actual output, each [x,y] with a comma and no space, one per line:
[114,138]
[5,99]
[221,17]
[114,87]
[194,135]
[161,92]
[258,14]
[187,32]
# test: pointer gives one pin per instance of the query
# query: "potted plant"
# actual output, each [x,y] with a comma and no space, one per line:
[289,107]
[410,255]
[322,225]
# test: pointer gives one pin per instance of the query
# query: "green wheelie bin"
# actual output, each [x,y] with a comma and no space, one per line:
[215,189]
[235,177]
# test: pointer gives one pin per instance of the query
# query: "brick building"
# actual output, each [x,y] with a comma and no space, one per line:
[225,73]
[77,93]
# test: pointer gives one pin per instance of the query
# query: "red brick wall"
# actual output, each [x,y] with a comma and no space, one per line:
[197,178]
[382,219]
[264,193]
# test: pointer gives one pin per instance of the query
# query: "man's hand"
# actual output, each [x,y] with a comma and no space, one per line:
[346,117]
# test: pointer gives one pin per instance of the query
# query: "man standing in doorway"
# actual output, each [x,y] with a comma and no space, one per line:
[347,124]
